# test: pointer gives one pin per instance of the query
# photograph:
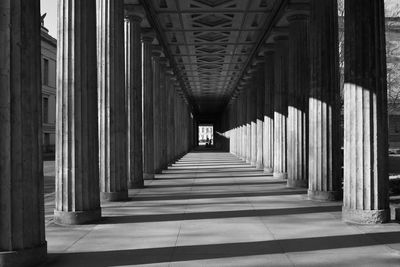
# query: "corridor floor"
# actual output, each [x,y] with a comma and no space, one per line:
[211,209]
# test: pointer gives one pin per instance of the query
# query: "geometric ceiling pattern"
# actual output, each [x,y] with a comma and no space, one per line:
[210,42]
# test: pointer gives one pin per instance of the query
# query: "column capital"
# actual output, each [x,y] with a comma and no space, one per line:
[257,60]
[156,51]
[293,18]
[148,36]
[164,61]
[134,13]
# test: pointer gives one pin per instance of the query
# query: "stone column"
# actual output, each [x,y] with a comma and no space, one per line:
[22,234]
[268,133]
[253,124]
[77,159]
[280,106]
[156,107]
[234,125]
[111,94]
[299,85]
[244,124]
[248,121]
[324,145]
[365,114]
[170,120]
[147,103]
[243,127]
[164,79]
[133,92]
[176,125]
[260,115]
[239,125]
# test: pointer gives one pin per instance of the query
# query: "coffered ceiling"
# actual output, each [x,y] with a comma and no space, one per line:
[210,42]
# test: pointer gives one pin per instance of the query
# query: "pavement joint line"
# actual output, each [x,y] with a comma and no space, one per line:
[269,230]
[181,223]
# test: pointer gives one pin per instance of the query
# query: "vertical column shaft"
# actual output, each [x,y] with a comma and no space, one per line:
[280,107]
[248,121]
[253,124]
[133,92]
[324,146]
[147,105]
[299,85]
[157,84]
[77,158]
[268,138]
[365,114]
[111,95]
[260,115]
[22,235]
[163,116]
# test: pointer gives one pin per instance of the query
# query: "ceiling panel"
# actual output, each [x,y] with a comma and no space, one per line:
[210,41]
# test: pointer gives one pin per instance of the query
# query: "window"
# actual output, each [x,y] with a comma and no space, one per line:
[45,71]
[45,110]
[46,139]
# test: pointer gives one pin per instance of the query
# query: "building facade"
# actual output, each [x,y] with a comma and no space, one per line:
[48,65]
[206,134]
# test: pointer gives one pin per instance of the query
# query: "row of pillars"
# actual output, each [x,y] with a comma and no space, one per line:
[121,117]
[286,117]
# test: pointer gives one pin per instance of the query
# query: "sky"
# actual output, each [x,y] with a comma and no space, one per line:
[50,22]
[50,7]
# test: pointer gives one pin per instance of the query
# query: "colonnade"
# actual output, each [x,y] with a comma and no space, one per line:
[298,133]
[121,117]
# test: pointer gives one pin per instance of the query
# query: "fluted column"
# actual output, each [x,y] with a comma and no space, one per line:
[171,120]
[248,121]
[260,115]
[22,235]
[280,106]
[244,124]
[268,132]
[299,85]
[147,92]
[177,124]
[253,124]
[77,158]
[156,107]
[133,93]
[163,114]
[365,114]
[111,94]
[324,146]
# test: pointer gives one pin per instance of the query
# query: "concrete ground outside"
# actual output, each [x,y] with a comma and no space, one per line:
[211,209]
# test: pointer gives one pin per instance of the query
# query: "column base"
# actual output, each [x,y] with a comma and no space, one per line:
[148,176]
[268,170]
[76,217]
[297,183]
[24,258]
[259,166]
[253,163]
[397,214]
[365,216]
[114,196]
[325,195]
[136,184]
[280,175]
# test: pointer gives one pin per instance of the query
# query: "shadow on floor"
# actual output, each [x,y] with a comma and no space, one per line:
[200,171]
[223,176]
[217,215]
[215,251]
[217,184]
[191,195]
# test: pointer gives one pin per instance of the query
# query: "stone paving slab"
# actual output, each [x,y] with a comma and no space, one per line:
[203,215]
